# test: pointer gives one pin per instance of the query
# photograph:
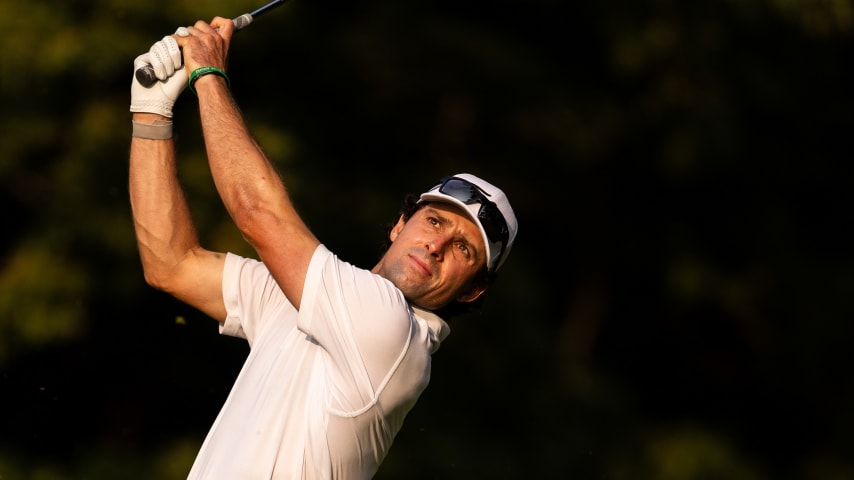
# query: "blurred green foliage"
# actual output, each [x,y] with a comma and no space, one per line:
[677,305]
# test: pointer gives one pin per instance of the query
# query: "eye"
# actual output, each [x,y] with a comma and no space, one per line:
[433,221]
[464,248]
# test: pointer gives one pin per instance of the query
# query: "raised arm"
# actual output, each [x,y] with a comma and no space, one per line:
[249,185]
[169,249]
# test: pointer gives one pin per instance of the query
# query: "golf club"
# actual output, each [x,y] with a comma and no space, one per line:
[145,75]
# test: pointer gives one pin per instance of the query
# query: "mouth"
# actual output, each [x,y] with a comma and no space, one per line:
[421,265]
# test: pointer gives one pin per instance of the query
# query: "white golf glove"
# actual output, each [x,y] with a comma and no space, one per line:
[165,58]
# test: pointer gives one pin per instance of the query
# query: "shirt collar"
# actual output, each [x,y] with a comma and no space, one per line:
[439,329]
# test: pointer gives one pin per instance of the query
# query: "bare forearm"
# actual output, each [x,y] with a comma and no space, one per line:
[164,228]
[253,192]
[249,185]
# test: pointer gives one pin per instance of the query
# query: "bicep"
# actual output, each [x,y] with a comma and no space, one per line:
[197,281]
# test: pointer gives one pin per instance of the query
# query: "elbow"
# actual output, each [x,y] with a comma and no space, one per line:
[260,211]
[268,224]
[155,280]
[255,223]
[160,275]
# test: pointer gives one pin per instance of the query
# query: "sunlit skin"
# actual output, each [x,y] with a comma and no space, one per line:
[434,256]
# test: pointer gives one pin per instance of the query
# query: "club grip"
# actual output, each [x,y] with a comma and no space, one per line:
[145,74]
[242,21]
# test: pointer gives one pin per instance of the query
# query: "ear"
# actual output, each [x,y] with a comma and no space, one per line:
[472,294]
[395,230]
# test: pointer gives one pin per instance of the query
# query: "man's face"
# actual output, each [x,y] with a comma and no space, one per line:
[434,256]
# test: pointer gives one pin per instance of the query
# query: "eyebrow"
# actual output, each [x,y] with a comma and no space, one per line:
[436,213]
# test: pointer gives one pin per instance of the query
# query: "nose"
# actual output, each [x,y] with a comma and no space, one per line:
[437,245]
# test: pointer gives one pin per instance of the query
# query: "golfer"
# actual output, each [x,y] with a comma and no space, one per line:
[338,354]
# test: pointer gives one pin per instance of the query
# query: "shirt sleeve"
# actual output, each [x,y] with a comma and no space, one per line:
[359,318]
[252,298]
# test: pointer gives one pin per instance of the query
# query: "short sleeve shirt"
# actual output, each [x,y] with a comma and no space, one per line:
[324,389]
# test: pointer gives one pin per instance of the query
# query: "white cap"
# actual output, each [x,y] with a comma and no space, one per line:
[487,206]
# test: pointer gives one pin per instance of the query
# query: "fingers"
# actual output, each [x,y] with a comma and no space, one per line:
[225,27]
[165,57]
[141,61]
[174,52]
[205,44]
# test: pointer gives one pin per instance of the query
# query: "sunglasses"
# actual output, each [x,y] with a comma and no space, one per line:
[488,214]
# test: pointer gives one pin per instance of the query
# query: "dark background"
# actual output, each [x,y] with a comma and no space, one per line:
[678,302]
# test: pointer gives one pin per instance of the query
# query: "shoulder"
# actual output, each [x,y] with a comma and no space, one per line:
[369,303]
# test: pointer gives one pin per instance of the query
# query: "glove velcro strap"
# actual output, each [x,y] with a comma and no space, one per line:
[159,130]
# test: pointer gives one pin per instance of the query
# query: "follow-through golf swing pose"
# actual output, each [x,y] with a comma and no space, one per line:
[338,354]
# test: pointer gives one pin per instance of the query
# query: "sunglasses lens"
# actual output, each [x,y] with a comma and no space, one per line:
[459,189]
[493,223]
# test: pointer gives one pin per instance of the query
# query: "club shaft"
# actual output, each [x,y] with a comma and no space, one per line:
[266,8]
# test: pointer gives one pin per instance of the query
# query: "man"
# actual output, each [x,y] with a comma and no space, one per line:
[338,354]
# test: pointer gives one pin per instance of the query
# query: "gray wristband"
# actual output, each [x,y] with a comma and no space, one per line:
[159,130]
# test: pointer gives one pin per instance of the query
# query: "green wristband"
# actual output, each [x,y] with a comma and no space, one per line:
[202,71]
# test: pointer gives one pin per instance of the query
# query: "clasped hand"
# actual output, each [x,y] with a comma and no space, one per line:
[173,57]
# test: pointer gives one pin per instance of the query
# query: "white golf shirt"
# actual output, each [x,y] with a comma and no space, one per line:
[324,390]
